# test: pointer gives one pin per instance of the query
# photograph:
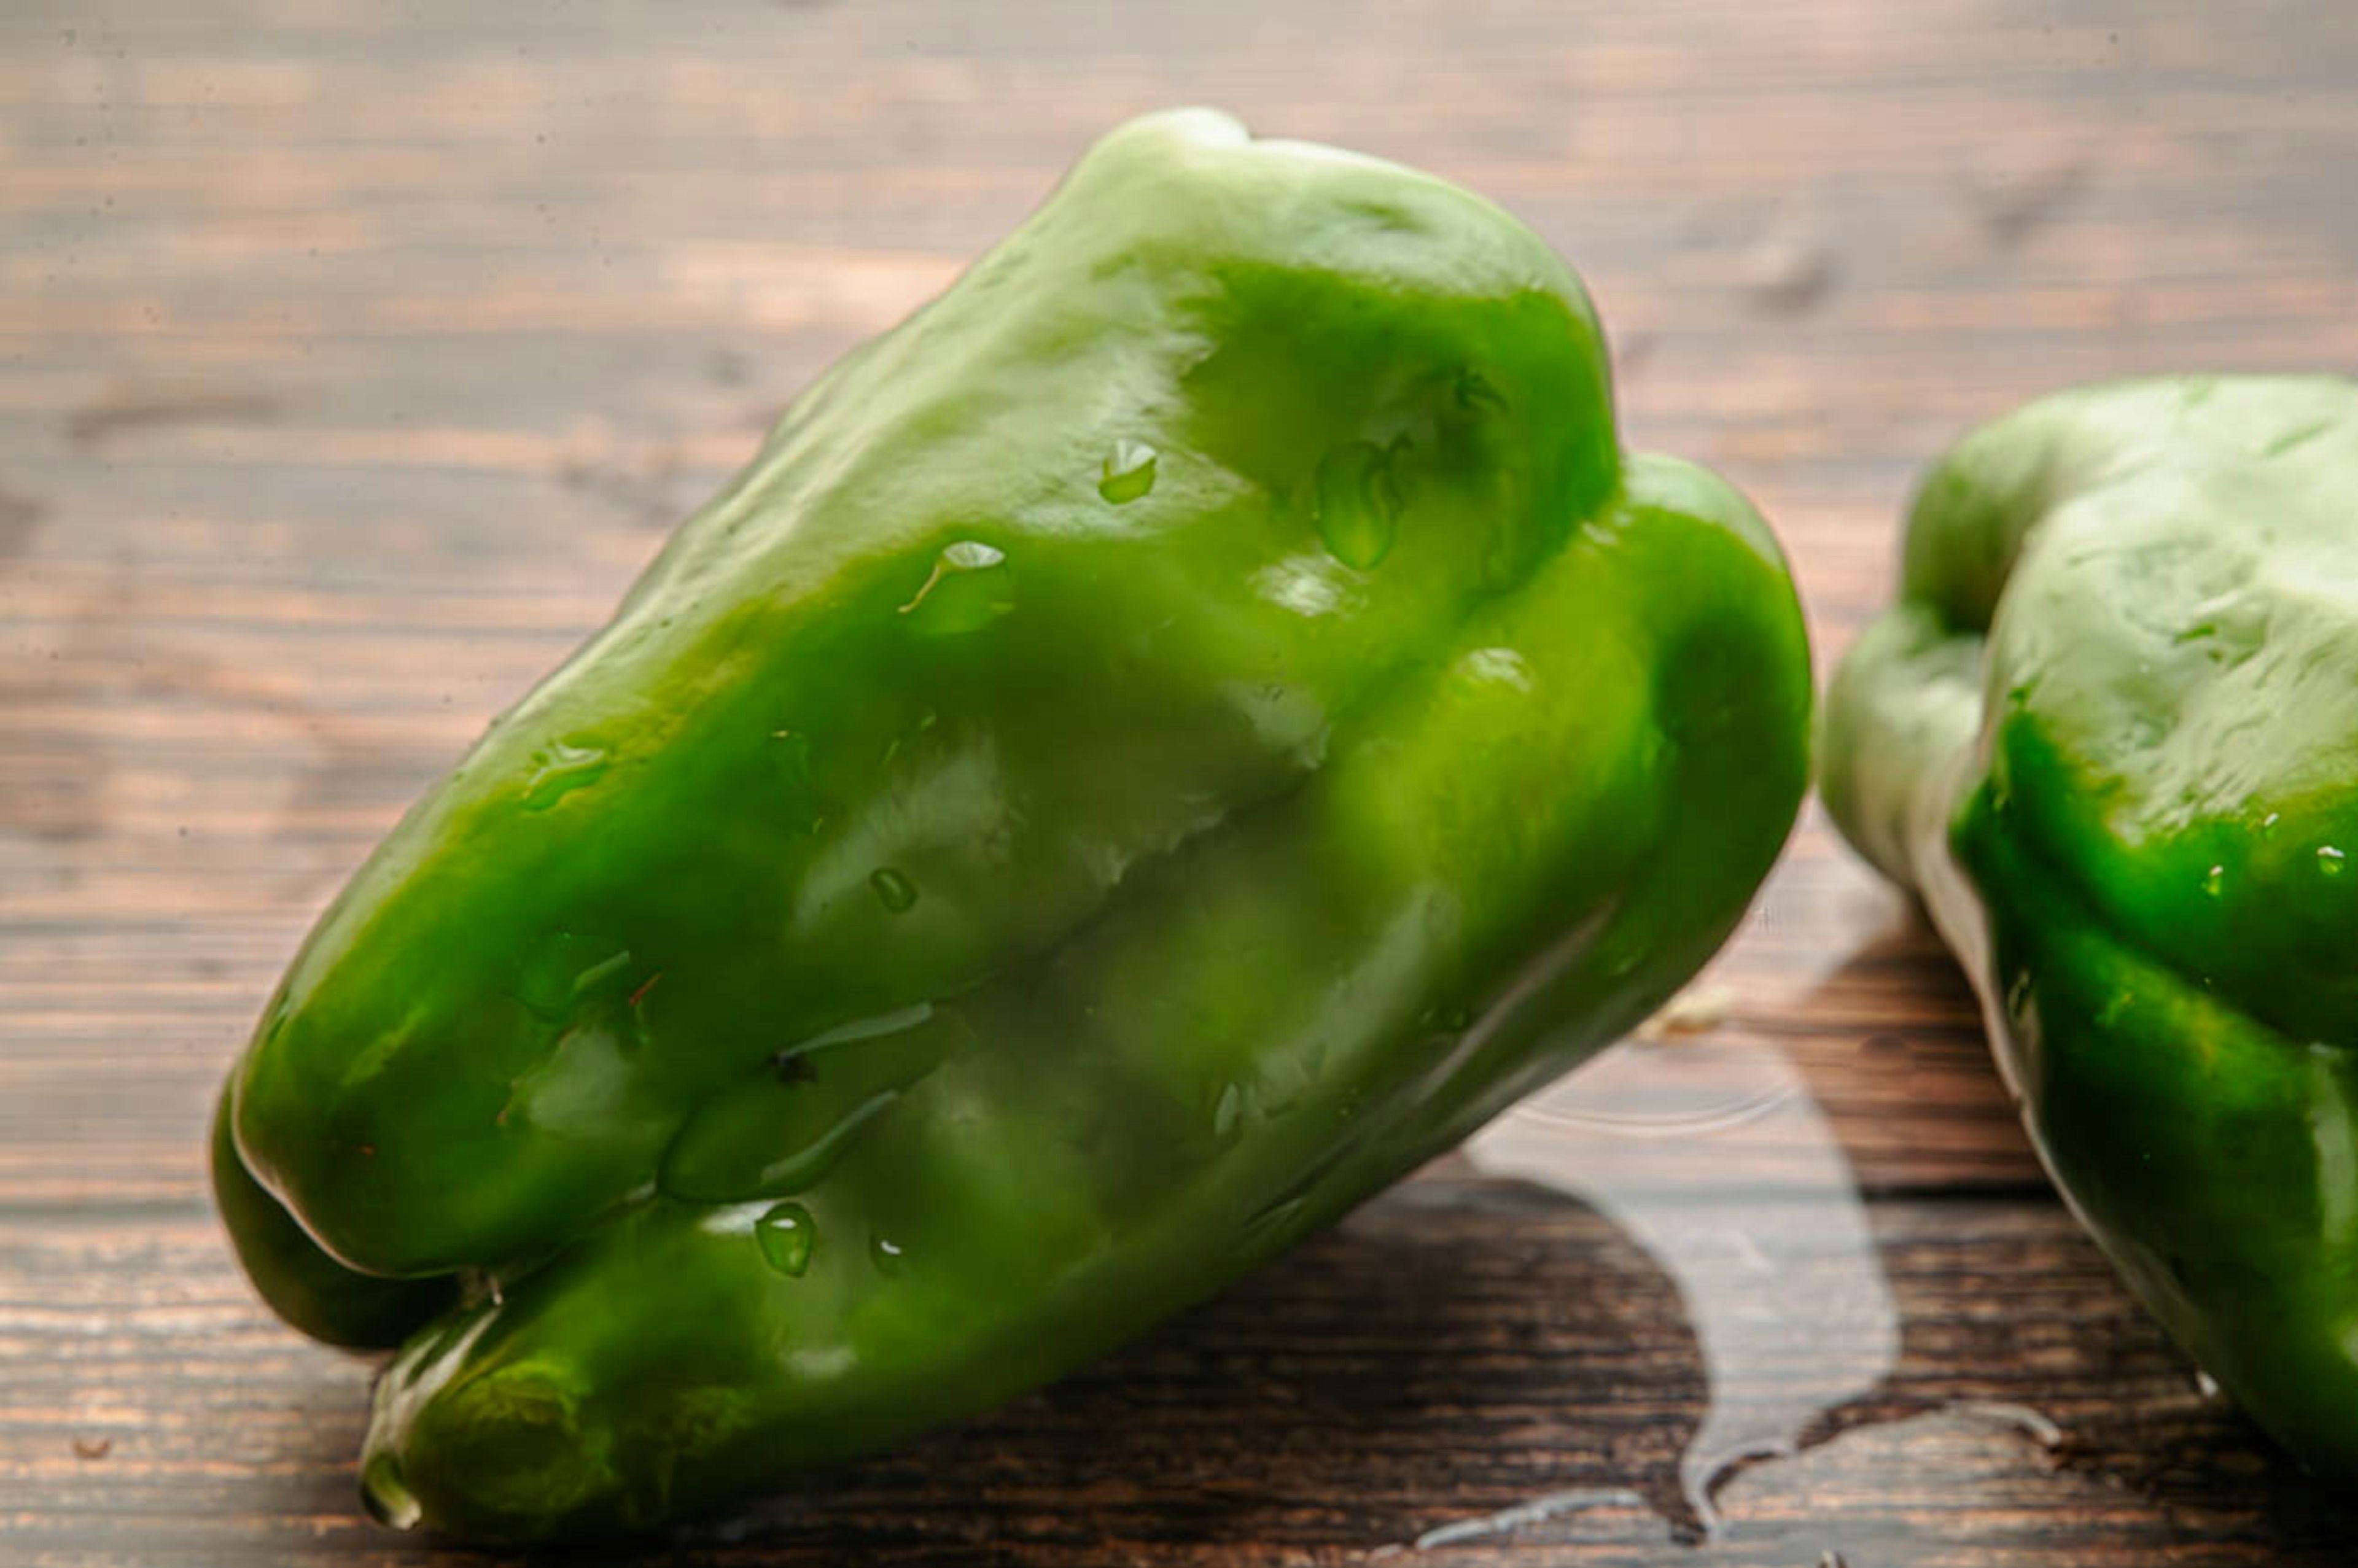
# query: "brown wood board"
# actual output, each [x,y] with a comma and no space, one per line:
[355,358]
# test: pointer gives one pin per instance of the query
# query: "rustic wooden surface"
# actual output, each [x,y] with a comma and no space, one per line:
[354,356]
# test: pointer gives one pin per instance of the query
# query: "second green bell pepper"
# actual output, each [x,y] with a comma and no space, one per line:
[1178,732]
[2110,733]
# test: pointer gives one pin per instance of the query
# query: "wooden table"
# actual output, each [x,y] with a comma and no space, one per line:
[354,356]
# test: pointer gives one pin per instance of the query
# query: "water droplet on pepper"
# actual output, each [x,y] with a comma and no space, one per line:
[779,1130]
[1474,391]
[893,891]
[1357,504]
[1128,473]
[1229,1111]
[566,967]
[559,769]
[971,585]
[786,1233]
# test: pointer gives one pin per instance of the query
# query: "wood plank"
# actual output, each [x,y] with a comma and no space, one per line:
[354,358]
[1458,1349]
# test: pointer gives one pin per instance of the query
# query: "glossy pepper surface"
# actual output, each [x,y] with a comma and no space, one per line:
[1178,732]
[2110,732]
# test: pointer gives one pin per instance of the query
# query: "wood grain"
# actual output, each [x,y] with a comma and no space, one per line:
[1456,1349]
[353,358]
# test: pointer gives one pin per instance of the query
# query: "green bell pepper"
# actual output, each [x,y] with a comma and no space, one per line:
[2110,733]
[1180,731]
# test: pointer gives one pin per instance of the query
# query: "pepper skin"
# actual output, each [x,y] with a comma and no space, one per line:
[2110,733]
[1175,734]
